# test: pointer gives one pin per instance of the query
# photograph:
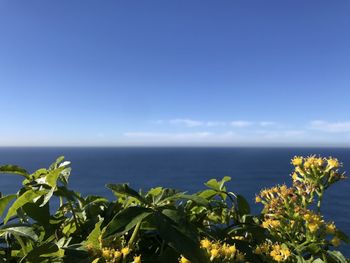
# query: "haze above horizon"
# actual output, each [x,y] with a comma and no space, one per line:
[175,73]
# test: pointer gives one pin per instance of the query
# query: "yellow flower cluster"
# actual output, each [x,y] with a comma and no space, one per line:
[271,223]
[112,255]
[218,252]
[238,237]
[273,193]
[313,169]
[313,161]
[313,221]
[276,251]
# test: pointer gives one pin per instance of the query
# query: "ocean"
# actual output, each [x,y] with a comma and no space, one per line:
[251,169]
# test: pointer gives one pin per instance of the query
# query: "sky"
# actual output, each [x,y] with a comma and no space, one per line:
[174,73]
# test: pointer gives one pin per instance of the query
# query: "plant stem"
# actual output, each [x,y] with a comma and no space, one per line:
[20,241]
[134,234]
[74,215]
[320,197]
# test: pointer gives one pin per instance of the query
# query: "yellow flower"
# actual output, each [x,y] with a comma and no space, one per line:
[257,199]
[125,251]
[319,162]
[184,260]
[106,253]
[117,255]
[335,241]
[313,227]
[333,163]
[257,250]
[279,253]
[205,243]
[278,258]
[285,252]
[232,250]
[330,228]
[137,259]
[297,160]
[214,253]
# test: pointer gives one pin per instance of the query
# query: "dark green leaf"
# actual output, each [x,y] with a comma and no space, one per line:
[27,197]
[41,253]
[175,238]
[124,189]
[23,231]
[4,201]
[41,214]
[243,205]
[126,220]
[195,198]
[14,169]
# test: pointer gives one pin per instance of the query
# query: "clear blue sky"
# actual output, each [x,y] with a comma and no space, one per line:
[179,72]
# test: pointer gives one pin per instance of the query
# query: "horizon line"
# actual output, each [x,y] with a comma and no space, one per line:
[178,146]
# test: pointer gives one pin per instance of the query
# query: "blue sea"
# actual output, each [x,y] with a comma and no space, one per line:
[183,168]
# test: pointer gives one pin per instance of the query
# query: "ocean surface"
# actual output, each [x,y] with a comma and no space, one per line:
[183,168]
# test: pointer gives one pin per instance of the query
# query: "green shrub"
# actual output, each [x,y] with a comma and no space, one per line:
[48,222]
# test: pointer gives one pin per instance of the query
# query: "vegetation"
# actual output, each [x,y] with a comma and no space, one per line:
[45,221]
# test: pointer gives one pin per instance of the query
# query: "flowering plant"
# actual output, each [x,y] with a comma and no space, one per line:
[48,222]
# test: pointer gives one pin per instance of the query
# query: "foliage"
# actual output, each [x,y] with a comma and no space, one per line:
[45,221]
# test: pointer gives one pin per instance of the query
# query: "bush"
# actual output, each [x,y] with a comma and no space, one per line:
[48,222]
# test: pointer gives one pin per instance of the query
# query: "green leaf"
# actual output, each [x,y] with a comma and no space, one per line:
[56,164]
[4,201]
[179,241]
[39,173]
[243,205]
[23,231]
[41,214]
[223,181]
[335,257]
[124,189]
[195,198]
[126,220]
[166,194]
[52,177]
[41,253]
[207,194]
[25,198]
[155,191]
[214,184]
[14,169]
[92,241]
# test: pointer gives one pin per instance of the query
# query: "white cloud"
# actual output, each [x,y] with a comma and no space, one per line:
[332,127]
[267,123]
[186,122]
[215,123]
[160,135]
[241,124]
[282,134]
